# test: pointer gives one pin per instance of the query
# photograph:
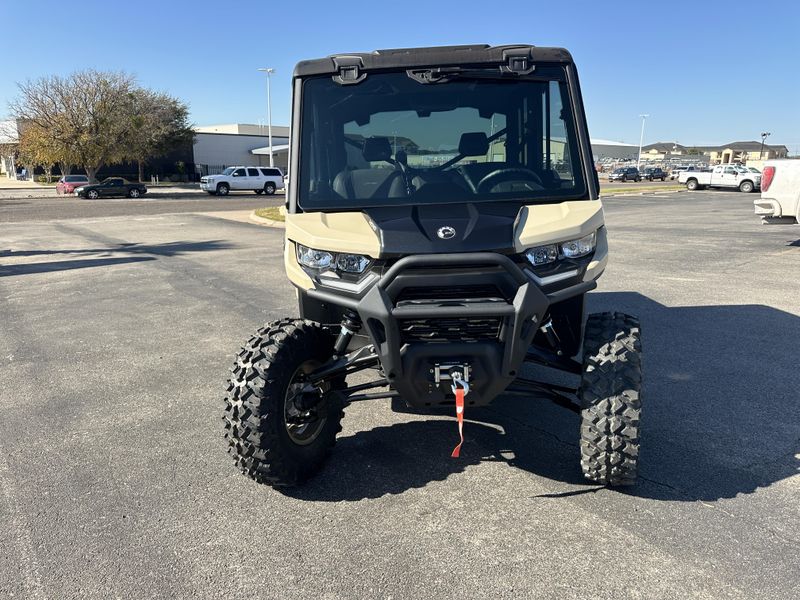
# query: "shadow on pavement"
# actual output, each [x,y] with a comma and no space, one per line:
[720,417]
[104,256]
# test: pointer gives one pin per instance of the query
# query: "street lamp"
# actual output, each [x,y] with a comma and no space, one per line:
[641,140]
[764,136]
[269,71]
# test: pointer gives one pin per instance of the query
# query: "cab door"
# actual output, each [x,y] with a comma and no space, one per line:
[730,176]
[254,179]
[239,179]
[717,177]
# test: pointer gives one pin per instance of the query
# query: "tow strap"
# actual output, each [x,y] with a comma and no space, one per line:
[460,389]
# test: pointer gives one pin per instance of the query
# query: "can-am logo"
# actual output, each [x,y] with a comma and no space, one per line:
[446,232]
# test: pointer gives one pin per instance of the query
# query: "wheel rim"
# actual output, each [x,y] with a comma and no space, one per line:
[270,188]
[92,194]
[223,191]
[134,193]
[301,433]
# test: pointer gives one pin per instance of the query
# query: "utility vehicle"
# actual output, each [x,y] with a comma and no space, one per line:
[434,244]
[261,180]
[721,176]
[780,192]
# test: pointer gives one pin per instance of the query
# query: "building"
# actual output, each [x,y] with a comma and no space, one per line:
[219,146]
[607,149]
[741,152]
[9,141]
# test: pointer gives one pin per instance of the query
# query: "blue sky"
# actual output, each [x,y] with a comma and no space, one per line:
[706,72]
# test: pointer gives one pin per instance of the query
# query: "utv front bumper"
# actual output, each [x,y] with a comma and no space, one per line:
[481,310]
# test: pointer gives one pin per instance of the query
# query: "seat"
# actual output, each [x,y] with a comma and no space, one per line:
[363,184]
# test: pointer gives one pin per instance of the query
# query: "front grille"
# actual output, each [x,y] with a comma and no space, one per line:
[411,294]
[454,329]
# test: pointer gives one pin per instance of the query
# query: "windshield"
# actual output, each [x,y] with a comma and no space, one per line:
[392,140]
[228,171]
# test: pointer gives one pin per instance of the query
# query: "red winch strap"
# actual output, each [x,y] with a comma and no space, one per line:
[460,417]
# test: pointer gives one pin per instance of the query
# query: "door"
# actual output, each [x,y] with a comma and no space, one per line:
[717,177]
[239,179]
[254,179]
[730,177]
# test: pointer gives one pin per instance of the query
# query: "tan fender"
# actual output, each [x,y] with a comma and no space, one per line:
[336,232]
[548,223]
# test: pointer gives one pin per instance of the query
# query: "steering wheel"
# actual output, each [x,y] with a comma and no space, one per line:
[495,178]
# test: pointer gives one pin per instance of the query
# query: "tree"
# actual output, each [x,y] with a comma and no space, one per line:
[86,115]
[38,149]
[158,124]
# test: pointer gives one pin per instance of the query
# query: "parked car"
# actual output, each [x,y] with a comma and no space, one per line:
[113,186]
[780,192]
[68,183]
[653,173]
[261,180]
[625,174]
[721,176]
[677,170]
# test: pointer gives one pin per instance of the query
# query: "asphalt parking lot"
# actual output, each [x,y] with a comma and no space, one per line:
[117,332]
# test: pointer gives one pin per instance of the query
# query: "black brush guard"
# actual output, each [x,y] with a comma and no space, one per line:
[408,367]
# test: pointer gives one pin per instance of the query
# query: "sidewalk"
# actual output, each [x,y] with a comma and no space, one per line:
[15,184]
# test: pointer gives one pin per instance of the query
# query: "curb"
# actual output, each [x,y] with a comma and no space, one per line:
[653,193]
[266,222]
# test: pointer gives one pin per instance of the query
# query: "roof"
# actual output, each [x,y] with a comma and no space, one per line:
[600,142]
[276,149]
[478,54]
[244,129]
[741,146]
[664,147]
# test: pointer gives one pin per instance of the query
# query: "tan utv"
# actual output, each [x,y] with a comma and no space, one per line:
[443,228]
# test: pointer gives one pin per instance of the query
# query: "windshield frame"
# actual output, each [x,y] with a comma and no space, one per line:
[586,178]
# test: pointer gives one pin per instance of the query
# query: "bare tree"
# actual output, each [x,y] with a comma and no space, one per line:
[85,115]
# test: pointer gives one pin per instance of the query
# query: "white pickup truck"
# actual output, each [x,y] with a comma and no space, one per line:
[722,176]
[780,192]
[261,180]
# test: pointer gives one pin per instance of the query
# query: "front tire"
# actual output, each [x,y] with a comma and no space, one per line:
[92,195]
[746,187]
[134,193]
[223,189]
[270,441]
[692,185]
[610,396]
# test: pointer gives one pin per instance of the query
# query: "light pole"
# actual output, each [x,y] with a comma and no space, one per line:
[641,140]
[269,71]
[764,136]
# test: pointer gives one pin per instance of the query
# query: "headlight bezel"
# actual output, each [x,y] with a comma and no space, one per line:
[347,263]
[549,254]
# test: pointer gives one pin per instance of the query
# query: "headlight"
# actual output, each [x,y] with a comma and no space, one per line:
[315,259]
[578,248]
[80,189]
[543,255]
[320,259]
[351,263]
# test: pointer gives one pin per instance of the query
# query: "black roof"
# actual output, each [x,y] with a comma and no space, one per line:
[404,58]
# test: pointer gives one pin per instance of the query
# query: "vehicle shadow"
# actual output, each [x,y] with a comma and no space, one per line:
[719,419]
[98,257]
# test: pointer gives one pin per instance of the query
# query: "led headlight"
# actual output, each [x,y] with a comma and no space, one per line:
[578,248]
[315,259]
[351,263]
[320,259]
[542,255]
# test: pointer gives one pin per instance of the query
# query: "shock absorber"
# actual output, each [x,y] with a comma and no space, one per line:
[351,325]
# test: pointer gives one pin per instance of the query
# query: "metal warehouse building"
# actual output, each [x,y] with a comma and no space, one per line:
[220,146]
